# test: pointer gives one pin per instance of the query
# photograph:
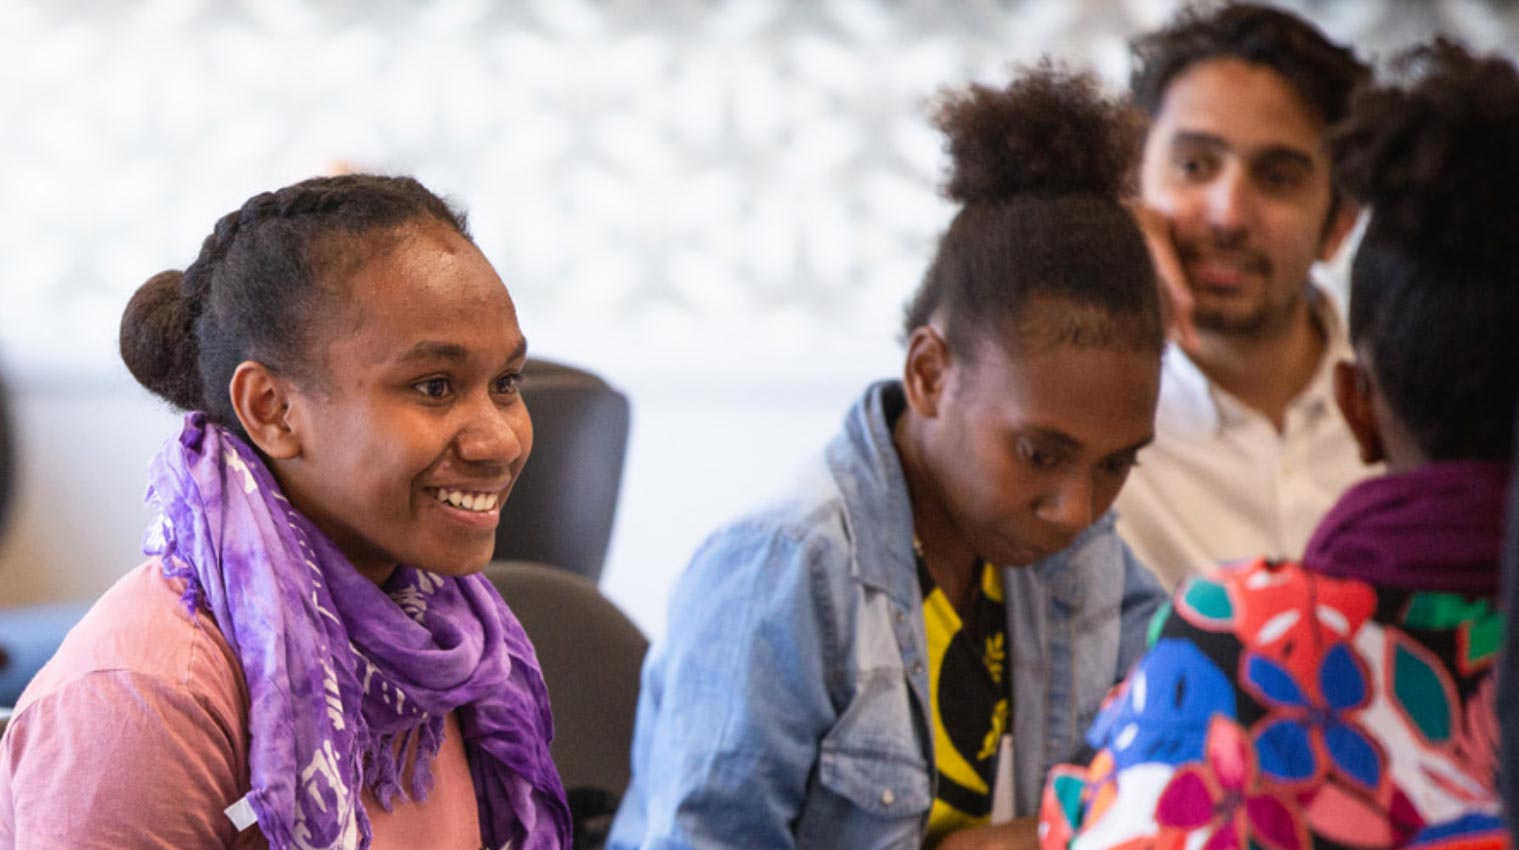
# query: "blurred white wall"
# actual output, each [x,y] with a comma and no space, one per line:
[720,207]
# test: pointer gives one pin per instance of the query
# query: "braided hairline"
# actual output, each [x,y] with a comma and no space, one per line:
[319,196]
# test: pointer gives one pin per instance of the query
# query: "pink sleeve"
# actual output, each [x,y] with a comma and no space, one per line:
[120,759]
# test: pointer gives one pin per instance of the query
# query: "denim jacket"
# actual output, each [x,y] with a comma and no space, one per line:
[788,704]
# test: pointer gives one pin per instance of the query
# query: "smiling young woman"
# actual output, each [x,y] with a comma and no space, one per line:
[310,658]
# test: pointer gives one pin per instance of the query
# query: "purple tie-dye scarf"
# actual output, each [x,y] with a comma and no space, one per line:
[345,678]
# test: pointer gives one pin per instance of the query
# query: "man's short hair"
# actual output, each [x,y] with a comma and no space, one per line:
[1323,73]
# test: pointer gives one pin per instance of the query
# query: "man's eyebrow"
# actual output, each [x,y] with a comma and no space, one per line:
[1277,155]
[1197,138]
[1273,154]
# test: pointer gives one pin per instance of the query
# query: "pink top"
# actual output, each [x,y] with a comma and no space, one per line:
[136,735]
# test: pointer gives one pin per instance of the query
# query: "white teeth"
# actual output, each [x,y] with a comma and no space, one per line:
[465,500]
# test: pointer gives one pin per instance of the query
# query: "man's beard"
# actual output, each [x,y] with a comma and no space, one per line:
[1267,319]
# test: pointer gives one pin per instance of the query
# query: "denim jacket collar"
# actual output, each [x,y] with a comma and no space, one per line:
[877,510]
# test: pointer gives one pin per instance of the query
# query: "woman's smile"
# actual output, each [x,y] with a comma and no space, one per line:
[477,509]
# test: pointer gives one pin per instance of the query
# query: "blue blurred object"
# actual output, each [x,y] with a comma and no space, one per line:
[29,635]
[7,458]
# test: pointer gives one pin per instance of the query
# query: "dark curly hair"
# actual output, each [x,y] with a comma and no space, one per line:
[1433,298]
[266,275]
[1039,168]
[1323,73]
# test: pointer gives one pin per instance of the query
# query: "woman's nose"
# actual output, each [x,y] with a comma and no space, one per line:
[1069,506]
[495,433]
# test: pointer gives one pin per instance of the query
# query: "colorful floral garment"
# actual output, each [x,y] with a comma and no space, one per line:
[1281,708]
[1344,702]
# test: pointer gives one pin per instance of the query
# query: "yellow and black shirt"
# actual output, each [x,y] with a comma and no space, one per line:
[968,687]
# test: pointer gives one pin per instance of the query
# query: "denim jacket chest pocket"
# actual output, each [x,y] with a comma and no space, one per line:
[873,786]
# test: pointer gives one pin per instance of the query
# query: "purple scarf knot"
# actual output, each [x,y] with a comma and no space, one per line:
[346,678]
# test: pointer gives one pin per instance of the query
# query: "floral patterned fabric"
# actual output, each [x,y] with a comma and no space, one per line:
[1281,708]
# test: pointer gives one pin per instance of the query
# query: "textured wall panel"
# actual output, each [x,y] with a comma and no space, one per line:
[736,179]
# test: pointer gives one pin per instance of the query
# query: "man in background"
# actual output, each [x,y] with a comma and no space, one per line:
[1238,202]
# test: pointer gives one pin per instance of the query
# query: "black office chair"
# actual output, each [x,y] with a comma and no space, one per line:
[560,512]
[591,655]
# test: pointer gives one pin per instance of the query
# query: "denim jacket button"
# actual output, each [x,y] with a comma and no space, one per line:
[917,669]
[887,798]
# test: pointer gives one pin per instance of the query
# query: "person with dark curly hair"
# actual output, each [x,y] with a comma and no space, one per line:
[847,667]
[1508,676]
[1237,192]
[310,657]
[1347,699]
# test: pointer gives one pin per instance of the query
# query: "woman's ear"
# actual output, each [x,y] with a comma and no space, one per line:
[262,401]
[926,371]
[1353,391]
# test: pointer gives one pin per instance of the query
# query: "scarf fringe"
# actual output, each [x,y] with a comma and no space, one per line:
[429,741]
[382,767]
[386,758]
[160,538]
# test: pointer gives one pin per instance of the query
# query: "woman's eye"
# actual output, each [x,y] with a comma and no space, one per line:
[1037,458]
[1121,464]
[507,384]
[433,387]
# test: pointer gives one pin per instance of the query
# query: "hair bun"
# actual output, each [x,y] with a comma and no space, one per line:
[1435,155]
[158,341]
[1050,132]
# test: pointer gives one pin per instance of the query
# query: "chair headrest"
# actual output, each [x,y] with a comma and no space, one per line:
[561,509]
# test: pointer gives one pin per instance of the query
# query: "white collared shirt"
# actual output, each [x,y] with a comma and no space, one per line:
[1219,483]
